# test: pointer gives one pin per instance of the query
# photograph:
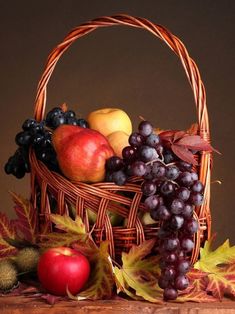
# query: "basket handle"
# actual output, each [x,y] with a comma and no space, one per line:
[175,45]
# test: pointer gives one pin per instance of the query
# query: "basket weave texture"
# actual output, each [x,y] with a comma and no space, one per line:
[103,196]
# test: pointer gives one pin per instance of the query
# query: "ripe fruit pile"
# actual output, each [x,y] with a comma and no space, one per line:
[171,190]
[38,135]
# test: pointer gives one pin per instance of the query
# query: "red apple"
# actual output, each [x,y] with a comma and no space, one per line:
[61,268]
[81,153]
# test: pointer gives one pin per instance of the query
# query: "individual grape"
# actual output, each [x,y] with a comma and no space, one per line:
[194,176]
[69,114]
[169,258]
[148,188]
[114,163]
[196,199]
[181,282]
[184,166]
[164,233]
[168,157]
[152,202]
[119,177]
[136,139]
[167,188]
[182,193]
[191,226]
[8,168]
[187,244]
[172,172]
[57,121]
[147,153]
[163,282]
[57,111]
[71,121]
[82,123]
[145,128]
[185,179]
[182,267]
[158,170]
[138,168]
[187,211]
[152,140]
[163,213]
[23,138]
[197,187]
[148,173]
[37,139]
[176,222]
[28,124]
[176,206]
[129,153]
[170,294]
[171,244]
[169,273]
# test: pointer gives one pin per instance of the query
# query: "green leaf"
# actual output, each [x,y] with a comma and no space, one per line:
[101,281]
[140,273]
[67,224]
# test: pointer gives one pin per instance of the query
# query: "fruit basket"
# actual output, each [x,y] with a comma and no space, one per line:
[130,190]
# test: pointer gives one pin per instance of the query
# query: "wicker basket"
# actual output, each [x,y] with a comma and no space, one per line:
[102,196]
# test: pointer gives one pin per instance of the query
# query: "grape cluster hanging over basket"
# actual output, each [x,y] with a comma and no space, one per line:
[126,200]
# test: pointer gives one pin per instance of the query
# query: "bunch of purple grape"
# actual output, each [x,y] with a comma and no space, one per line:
[171,191]
[38,135]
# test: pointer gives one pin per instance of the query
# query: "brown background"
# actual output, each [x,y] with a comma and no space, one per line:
[122,67]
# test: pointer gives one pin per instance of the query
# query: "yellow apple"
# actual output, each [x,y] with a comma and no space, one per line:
[118,140]
[109,120]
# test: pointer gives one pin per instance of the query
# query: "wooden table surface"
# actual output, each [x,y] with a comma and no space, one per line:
[24,305]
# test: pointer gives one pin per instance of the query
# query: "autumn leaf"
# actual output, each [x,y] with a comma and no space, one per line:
[220,266]
[140,273]
[55,239]
[101,281]
[195,296]
[198,280]
[27,218]
[7,230]
[6,250]
[193,129]
[67,224]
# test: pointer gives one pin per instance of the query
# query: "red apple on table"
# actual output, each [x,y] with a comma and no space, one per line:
[61,268]
[81,153]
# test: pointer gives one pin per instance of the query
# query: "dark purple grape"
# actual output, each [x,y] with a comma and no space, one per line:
[164,233]
[185,179]
[136,139]
[162,282]
[147,153]
[28,124]
[52,113]
[23,138]
[191,226]
[181,282]
[57,121]
[182,267]
[184,166]
[167,188]
[71,121]
[176,222]
[37,139]
[172,172]
[148,174]
[197,187]
[194,176]
[196,199]
[170,294]
[163,213]
[168,157]
[145,128]
[187,211]
[129,153]
[158,170]
[176,206]
[152,202]
[138,168]
[171,244]
[169,258]
[119,177]
[82,123]
[187,244]
[153,140]
[108,176]
[148,188]
[114,163]
[69,114]
[182,193]
[169,273]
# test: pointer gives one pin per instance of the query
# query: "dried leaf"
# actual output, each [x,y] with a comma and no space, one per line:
[100,284]
[6,250]
[56,239]
[7,227]
[27,218]
[195,296]
[198,280]
[220,266]
[67,224]
[194,142]
[140,273]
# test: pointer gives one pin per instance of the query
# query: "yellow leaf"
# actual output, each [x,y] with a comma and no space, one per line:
[140,273]
[56,239]
[67,224]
